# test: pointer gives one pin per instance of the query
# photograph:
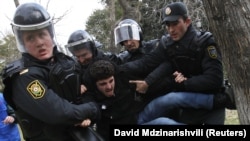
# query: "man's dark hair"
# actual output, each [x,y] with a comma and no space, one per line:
[101,69]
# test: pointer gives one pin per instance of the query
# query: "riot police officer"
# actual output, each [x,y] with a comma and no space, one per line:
[43,84]
[84,48]
[128,33]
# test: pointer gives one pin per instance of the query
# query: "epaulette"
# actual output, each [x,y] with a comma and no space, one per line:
[202,37]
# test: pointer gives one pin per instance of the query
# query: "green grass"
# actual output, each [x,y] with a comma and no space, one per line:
[232,117]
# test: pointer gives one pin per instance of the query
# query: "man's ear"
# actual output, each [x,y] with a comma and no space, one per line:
[188,21]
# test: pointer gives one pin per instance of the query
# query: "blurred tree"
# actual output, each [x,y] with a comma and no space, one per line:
[98,25]
[146,12]
[8,50]
[230,23]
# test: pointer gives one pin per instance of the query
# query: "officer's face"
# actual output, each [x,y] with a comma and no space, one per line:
[131,45]
[84,56]
[38,43]
[178,28]
[106,86]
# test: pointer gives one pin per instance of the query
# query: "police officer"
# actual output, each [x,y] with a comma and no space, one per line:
[85,49]
[128,33]
[43,84]
[197,71]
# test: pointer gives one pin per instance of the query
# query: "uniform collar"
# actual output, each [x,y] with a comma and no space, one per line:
[187,39]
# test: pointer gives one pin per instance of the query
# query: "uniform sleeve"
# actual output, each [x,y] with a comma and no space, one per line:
[33,95]
[212,77]
[163,70]
[147,63]
[115,58]
[11,112]
[123,56]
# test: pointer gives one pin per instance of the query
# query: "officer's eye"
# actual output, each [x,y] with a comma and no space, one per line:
[82,55]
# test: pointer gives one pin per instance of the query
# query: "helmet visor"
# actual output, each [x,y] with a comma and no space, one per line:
[74,46]
[18,29]
[126,32]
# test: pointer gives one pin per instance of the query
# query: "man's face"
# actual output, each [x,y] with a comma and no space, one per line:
[84,56]
[106,86]
[38,43]
[131,45]
[178,28]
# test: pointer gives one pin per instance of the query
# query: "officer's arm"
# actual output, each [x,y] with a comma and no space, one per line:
[212,76]
[11,112]
[35,98]
[147,63]
[163,70]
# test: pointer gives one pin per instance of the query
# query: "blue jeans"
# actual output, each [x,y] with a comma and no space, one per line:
[156,111]
[163,121]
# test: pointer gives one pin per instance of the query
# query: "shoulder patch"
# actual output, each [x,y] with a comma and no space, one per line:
[35,89]
[212,52]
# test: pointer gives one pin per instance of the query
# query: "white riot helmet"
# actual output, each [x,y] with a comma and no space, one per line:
[127,29]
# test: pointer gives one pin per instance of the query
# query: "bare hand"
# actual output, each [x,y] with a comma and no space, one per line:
[84,123]
[8,120]
[141,85]
[83,89]
[179,77]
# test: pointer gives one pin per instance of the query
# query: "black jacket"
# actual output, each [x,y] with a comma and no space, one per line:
[200,62]
[120,109]
[157,85]
[42,113]
[144,48]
